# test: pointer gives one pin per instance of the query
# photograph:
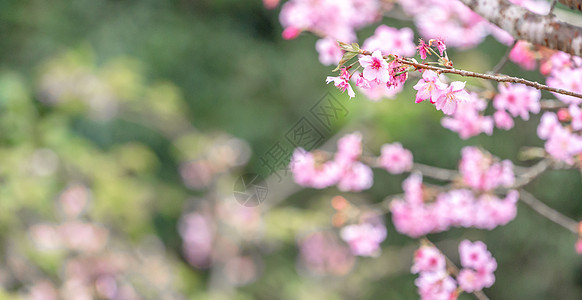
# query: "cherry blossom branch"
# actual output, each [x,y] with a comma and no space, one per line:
[544,30]
[499,78]
[547,211]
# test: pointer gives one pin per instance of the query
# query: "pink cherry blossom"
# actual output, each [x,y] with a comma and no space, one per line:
[548,124]
[291,32]
[412,187]
[429,87]
[375,67]
[478,266]
[518,100]
[569,79]
[391,40]
[342,82]
[468,120]
[490,211]
[455,93]
[364,239]
[270,4]
[308,173]
[473,255]
[349,148]
[411,219]
[395,159]
[428,259]
[329,51]
[334,18]
[439,44]
[455,208]
[436,286]
[503,120]
[357,177]
[578,246]
[479,170]
[576,115]
[523,55]
[322,253]
[375,92]
[450,21]
[423,49]
[563,145]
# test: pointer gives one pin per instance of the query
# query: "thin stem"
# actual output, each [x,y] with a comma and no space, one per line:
[499,78]
[548,212]
[552,104]
[503,60]
[531,173]
[435,172]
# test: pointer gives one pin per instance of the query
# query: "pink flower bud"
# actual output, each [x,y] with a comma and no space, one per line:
[291,32]
[563,115]
[579,246]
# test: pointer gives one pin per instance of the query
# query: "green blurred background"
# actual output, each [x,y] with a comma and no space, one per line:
[120,118]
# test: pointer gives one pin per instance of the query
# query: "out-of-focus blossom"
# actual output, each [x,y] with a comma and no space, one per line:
[523,55]
[436,285]
[503,120]
[478,266]
[428,259]
[329,51]
[365,238]
[468,120]
[310,173]
[391,40]
[321,253]
[480,172]
[395,159]
[518,100]
[197,231]
[548,124]
[576,115]
[334,18]
[564,145]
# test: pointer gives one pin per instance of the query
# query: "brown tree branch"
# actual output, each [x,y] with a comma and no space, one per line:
[573,4]
[522,24]
[499,78]
[548,212]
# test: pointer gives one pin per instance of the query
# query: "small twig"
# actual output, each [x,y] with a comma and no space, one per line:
[548,212]
[552,104]
[499,78]
[435,172]
[531,173]
[504,59]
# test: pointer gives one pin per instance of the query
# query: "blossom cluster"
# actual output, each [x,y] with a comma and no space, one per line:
[334,18]
[561,142]
[420,212]
[444,97]
[416,216]
[364,238]
[435,282]
[316,170]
